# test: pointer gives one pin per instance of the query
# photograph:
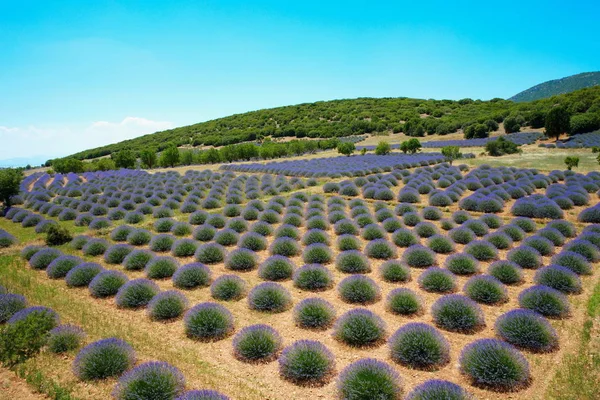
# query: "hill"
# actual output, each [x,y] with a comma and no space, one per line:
[558,86]
[340,118]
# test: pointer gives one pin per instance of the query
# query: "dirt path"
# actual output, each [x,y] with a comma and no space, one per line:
[14,388]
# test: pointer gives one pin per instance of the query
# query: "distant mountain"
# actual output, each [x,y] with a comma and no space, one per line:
[558,86]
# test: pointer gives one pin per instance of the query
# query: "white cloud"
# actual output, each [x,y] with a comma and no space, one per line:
[33,142]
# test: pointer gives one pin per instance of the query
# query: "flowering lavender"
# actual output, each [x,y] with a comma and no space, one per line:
[306,362]
[457,313]
[61,266]
[150,380]
[37,311]
[103,358]
[64,338]
[526,329]
[208,321]
[257,343]
[205,394]
[545,300]
[269,297]
[438,389]
[10,304]
[420,346]
[369,378]
[359,327]
[43,258]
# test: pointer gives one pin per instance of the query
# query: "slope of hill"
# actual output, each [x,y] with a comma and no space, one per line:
[339,118]
[558,86]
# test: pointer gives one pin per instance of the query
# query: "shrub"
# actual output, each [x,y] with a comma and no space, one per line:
[437,280]
[525,257]
[262,229]
[485,289]
[395,271]
[565,227]
[418,256]
[493,364]
[191,276]
[227,237]
[61,266]
[30,251]
[204,233]
[352,261]
[425,229]
[420,346]
[527,224]
[544,246]
[404,238]
[479,228]
[139,237]
[461,235]
[202,395]
[120,233]
[116,254]
[573,261]
[57,235]
[269,297]
[314,313]
[136,293]
[499,240]
[369,379]
[506,272]
[103,359]
[317,254]
[162,243]
[137,260]
[345,227]
[438,389]
[154,379]
[392,225]
[372,232]
[107,283]
[198,217]
[546,301]
[228,288]
[65,338]
[208,322]
[164,225]
[359,289]
[241,260]
[43,258]
[161,267]
[184,248]
[411,218]
[95,247]
[380,249]
[257,343]
[276,268]
[99,223]
[526,329]
[462,264]
[402,301]
[513,231]
[482,250]
[583,248]
[348,242]
[457,313]
[559,278]
[440,244]
[359,327]
[10,304]
[82,274]
[306,362]
[210,253]
[167,305]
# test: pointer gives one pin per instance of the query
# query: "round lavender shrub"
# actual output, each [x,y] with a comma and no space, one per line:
[257,343]
[65,338]
[559,278]
[546,301]
[313,277]
[492,364]
[107,283]
[100,223]
[404,238]
[46,317]
[419,346]
[574,261]
[61,266]
[139,237]
[403,301]
[381,249]
[317,254]
[500,240]
[457,313]
[437,280]
[482,250]
[565,227]
[167,305]
[115,254]
[262,228]
[103,359]
[10,304]
[269,297]
[440,244]
[95,247]
[162,243]
[227,237]
[276,268]
[184,248]
[44,225]
[79,241]
[120,233]
[486,289]
[44,257]
[136,293]
[394,271]
[544,246]
[583,248]
[30,251]
[204,233]
[191,276]
[506,272]
[526,329]
[514,232]
[352,261]
[82,274]
[359,289]
[314,313]
[306,362]
[210,253]
[359,327]
[137,260]
[345,227]
[228,288]
[198,217]
[205,394]
[208,322]
[525,257]
[369,378]
[462,264]
[150,380]
[436,389]
[163,225]
[461,235]
[426,229]
[241,260]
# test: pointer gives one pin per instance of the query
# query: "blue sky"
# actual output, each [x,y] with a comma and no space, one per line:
[78,74]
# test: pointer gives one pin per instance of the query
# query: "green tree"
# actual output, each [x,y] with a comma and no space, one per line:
[187,157]
[10,182]
[511,124]
[66,165]
[105,164]
[363,151]
[148,157]
[451,153]
[124,159]
[500,147]
[477,131]
[557,122]
[170,156]
[571,162]
[346,148]
[410,146]
[383,148]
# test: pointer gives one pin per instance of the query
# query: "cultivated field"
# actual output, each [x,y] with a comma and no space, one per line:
[483,274]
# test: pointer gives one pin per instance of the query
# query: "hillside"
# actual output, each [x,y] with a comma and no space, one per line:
[339,118]
[558,86]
